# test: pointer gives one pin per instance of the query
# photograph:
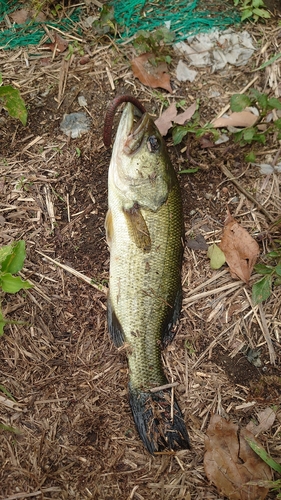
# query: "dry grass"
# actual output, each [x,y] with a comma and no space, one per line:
[73,432]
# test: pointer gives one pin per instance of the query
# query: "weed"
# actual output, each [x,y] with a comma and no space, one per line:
[154,41]
[272,485]
[193,127]
[12,101]
[74,48]
[106,22]
[252,9]
[11,262]
[271,273]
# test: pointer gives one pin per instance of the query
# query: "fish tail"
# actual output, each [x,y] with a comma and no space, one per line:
[158,427]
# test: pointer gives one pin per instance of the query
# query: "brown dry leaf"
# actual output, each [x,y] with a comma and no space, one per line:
[59,45]
[266,421]
[237,119]
[240,249]
[152,76]
[184,117]
[20,16]
[164,122]
[230,463]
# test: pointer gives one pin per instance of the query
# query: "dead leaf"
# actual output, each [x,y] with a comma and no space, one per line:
[237,119]
[150,75]
[184,117]
[59,45]
[21,16]
[197,243]
[266,421]
[165,121]
[240,249]
[230,463]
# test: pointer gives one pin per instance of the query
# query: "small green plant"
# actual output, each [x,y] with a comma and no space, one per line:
[12,101]
[74,48]
[261,290]
[11,262]
[193,127]
[106,22]
[272,485]
[252,9]
[249,135]
[157,42]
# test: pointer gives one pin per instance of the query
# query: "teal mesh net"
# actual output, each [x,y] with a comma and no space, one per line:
[186,18]
[30,33]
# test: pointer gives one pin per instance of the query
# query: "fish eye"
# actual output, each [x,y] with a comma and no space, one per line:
[153,144]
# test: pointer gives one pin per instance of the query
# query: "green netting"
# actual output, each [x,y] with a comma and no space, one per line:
[32,32]
[187,17]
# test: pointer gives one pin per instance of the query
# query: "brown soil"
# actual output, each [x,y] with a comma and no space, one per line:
[75,437]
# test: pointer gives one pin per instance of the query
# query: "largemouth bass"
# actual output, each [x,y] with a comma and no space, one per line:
[144,227]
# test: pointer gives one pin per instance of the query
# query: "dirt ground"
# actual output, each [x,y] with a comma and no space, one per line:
[75,437]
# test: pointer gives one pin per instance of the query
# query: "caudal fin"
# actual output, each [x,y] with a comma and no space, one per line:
[158,427]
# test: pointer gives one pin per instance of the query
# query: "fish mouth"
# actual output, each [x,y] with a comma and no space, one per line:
[132,129]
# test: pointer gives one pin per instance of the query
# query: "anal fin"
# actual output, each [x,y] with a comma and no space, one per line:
[114,327]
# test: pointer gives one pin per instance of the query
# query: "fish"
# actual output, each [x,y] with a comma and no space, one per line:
[144,231]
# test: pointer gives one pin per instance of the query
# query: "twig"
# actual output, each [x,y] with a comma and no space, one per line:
[266,334]
[230,176]
[70,270]
[263,326]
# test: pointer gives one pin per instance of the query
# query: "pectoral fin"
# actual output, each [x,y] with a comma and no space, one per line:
[138,229]
[108,227]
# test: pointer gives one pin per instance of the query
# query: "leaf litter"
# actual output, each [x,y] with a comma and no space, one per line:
[171,115]
[240,249]
[65,373]
[151,74]
[230,463]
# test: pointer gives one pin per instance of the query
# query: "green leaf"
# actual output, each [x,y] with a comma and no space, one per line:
[246,14]
[260,98]
[277,123]
[179,133]
[274,253]
[274,103]
[261,290]
[216,256]
[238,102]
[263,269]
[270,61]
[12,284]
[261,13]
[250,157]
[189,171]
[260,451]
[277,281]
[13,262]
[257,3]
[8,428]
[249,134]
[8,394]
[3,322]
[278,269]
[13,103]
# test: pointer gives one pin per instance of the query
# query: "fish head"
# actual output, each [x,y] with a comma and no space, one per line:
[140,169]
